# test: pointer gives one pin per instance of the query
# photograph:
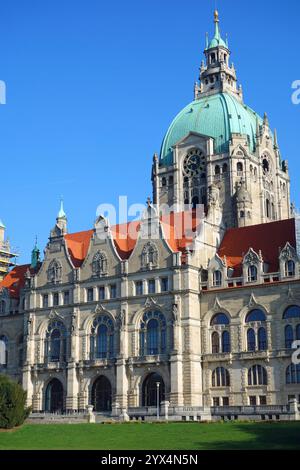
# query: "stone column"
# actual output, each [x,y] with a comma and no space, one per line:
[72,380]
[27,382]
[72,388]
[121,376]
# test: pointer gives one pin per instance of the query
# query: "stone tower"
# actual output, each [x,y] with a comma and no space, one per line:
[218,141]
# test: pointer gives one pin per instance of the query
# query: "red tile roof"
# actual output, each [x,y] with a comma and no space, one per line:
[267,238]
[14,281]
[78,245]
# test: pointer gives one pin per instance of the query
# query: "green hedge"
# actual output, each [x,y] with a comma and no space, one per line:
[13,411]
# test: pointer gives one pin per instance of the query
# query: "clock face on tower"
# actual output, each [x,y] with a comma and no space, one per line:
[194,163]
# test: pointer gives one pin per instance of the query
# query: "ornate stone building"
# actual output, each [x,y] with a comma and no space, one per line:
[203,319]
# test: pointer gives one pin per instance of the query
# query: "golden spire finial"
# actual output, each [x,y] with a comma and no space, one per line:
[216,14]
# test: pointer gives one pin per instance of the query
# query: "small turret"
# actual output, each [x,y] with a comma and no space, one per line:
[243,205]
[61,219]
[35,256]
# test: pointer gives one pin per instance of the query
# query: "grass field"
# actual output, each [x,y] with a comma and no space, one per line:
[152,436]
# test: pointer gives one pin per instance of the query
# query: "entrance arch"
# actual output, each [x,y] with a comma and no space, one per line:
[54,396]
[149,390]
[102,394]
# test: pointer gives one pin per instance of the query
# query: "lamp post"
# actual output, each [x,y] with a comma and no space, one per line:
[157,398]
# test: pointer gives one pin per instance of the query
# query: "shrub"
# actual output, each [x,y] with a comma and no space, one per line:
[13,411]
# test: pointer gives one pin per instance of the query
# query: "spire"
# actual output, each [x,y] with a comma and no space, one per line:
[257,128]
[217,39]
[275,139]
[216,21]
[61,219]
[217,75]
[2,224]
[266,120]
[61,214]
[35,256]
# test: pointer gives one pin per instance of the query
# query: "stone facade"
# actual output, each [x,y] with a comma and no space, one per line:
[123,326]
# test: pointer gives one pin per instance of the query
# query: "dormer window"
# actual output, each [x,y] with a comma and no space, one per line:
[252,273]
[290,268]
[217,279]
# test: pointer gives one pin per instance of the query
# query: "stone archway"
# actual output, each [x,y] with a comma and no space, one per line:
[102,394]
[54,398]
[149,390]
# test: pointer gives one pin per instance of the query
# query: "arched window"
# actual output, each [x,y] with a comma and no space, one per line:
[217,170]
[290,268]
[292,312]
[54,272]
[225,168]
[257,375]
[220,377]
[255,315]
[239,167]
[251,343]
[151,392]
[219,319]
[268,208]
[102,338]
[164,181]
[266,166]
[3,351]
[292,374]
[252,273]
[217,278]
[99,264]
[171,180]
[55,344]
[54,397]
[153,334]
[226,342]
[288,336]
[262,339]
[102,394]
[215,342]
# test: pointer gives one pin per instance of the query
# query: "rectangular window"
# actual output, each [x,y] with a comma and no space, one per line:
[45,301]
[101,293]
[252,400]
[90,294]
[164,284]
[55,299]
[216,401]
[66,297]
[151,286]
[139,288]
[262,400]
[113,291]
[225,401]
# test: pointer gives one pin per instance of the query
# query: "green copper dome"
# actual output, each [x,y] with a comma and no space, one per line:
[216,116]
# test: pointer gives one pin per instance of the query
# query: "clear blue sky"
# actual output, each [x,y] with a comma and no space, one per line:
[92,86]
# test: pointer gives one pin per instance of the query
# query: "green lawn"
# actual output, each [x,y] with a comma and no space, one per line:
[153,436]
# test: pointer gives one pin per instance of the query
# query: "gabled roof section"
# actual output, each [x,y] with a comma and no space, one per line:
[78,244]
[125,237]
[175,225]
[267,238]
[14,281]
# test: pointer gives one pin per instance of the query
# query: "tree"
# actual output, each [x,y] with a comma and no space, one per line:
[13,411]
